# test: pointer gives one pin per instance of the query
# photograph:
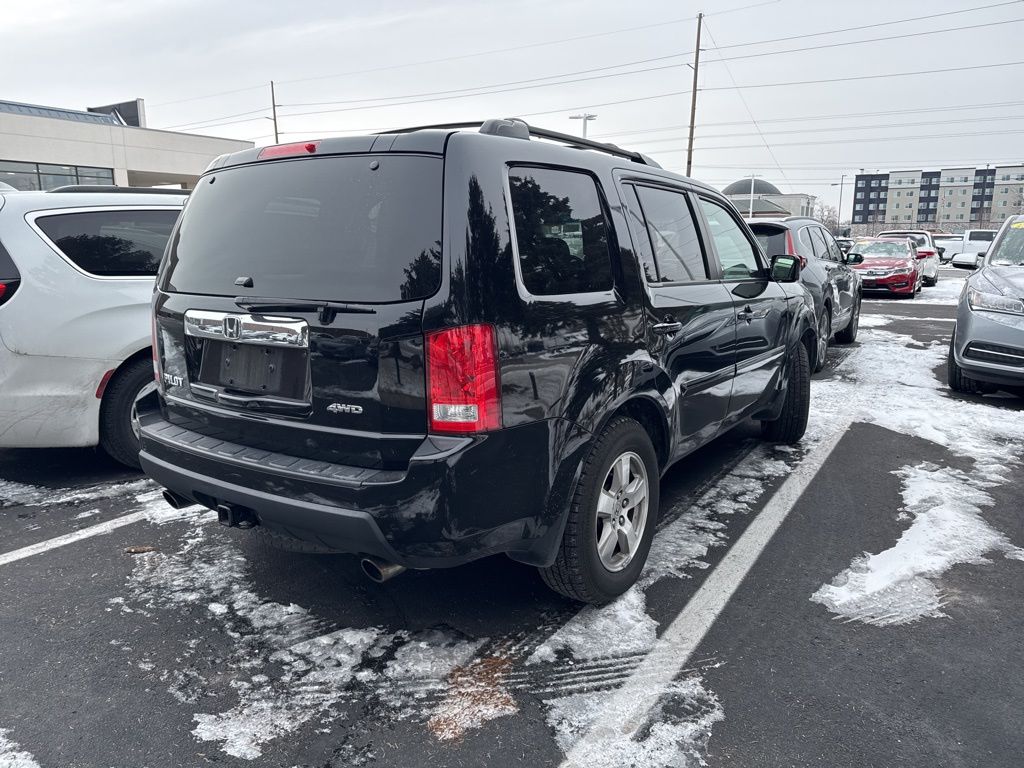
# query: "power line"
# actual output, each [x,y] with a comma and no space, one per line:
[752,120]
[212,119]
[806,118]
[487,88]
[868,26]
[879,126]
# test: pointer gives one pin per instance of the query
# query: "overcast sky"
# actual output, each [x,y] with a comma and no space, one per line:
[204,65]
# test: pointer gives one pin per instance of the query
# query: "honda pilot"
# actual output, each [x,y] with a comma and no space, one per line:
[433,345]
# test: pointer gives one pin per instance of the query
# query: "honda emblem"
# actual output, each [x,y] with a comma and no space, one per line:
[232,327]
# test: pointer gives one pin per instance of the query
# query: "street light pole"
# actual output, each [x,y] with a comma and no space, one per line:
[585,117]
[273,107]
[693,96]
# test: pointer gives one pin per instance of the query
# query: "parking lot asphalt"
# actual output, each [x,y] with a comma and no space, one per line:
[854,601]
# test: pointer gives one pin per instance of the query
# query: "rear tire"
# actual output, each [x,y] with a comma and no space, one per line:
[849,334]
[117,435]
[824,337]
[579,571]
[792,421]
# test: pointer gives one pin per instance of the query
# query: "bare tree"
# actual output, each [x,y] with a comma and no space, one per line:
[827,215]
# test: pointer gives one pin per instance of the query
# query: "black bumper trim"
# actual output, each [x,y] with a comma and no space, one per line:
[355,527]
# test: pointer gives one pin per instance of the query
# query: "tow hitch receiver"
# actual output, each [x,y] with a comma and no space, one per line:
[233,516]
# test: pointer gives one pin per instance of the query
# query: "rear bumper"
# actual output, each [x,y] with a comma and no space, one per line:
[459,499]
[989,346]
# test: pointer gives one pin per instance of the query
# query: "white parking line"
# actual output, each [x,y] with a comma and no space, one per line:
[83,533]
[624,713]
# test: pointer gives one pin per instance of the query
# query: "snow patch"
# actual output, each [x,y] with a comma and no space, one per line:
[676,733]
[897,586]
[13,756]
[20,494]
[622,627]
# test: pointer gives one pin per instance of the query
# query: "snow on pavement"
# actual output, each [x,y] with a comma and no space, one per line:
[899,585]
[12,755]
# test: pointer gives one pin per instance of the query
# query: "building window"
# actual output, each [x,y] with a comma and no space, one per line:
[860,182]
[975,204]
[859,207]
[874,182]
[1002,204]
[32,176]
[859,195]
[873,195]
[885,182]
[872,207]
[858,219]
[906,218]
[959,217]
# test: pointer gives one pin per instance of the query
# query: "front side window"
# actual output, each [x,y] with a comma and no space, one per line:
[735,253]
[127,243]
[561,232]
[673,234]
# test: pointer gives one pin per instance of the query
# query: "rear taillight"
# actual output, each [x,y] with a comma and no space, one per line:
[288,150]
[791,250]
[156,351]
[462,380]
[924,253]
[7,289]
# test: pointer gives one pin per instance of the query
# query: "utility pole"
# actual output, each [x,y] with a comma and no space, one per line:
[586,117]
[693,96]
[751,212]
[839,210]
[273,107]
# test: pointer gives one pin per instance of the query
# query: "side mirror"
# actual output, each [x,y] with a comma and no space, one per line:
[854,258]
[785,269]
[941,250]
[979,259]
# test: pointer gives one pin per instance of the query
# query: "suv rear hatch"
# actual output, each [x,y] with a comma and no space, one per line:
[289,306]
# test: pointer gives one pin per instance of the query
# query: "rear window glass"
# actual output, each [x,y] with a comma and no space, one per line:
[561,232]
[920,240]
[361,229]
[128,243]
[771,239]
[981,236]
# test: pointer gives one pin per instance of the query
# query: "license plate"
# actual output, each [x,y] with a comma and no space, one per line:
[869,283]
[251,368]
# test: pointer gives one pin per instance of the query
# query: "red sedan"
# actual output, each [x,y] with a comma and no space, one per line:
[888,264]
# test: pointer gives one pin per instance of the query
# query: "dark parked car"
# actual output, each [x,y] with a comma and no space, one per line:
[986,350]
[833,285]
[439,344]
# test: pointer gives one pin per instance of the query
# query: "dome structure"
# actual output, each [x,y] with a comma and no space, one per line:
[742,187]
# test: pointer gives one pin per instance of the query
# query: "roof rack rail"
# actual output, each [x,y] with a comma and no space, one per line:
[516,128]
[112,188]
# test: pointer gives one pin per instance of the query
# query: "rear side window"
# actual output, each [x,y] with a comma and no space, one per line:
[818,242]
[8,271]
[561,231]
[673,234]
[357,228]
[771,239]
[736,254]
[127,243]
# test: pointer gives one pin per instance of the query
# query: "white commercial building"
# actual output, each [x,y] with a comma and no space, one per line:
[47,147]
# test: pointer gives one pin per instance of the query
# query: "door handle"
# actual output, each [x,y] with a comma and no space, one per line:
[667,328]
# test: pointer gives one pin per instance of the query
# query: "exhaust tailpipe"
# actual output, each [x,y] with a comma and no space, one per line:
[380,570]
[176,501]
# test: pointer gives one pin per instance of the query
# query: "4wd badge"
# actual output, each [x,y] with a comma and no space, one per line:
[344,408]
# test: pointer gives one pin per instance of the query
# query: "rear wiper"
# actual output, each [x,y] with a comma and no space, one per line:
[326,309]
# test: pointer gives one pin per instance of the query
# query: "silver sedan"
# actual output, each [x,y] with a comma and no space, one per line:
[986,351]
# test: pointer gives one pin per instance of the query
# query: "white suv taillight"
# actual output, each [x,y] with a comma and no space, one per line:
[463,393]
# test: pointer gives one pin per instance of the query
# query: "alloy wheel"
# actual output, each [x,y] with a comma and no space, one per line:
[824,334]
[622,511]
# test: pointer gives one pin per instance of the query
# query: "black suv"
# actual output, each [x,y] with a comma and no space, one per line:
[439,344]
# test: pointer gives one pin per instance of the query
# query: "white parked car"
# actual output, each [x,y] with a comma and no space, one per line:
[975,241]
[949,245]
[77,267]
[927,251]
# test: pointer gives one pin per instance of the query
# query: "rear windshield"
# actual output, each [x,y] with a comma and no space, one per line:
[771,239]
[919,239]
[361,229]
[981,235]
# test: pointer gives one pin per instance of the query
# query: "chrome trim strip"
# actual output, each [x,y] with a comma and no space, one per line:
[250,329]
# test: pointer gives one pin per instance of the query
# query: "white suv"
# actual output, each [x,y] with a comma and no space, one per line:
[76,277]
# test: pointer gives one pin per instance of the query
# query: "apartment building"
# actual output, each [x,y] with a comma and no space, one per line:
[951,199]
